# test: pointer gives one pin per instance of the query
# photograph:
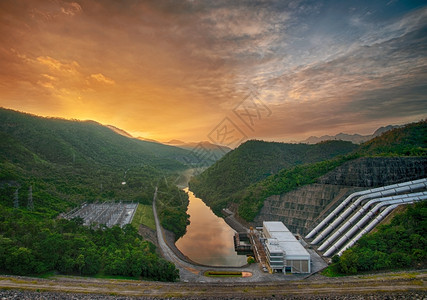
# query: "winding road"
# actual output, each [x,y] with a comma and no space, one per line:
[189,272]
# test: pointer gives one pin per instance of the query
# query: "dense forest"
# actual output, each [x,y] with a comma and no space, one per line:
[31,245]
[409,140]
[65,163]
[80,144]
[400,244]
[256,169]
[172,208]
[254,161]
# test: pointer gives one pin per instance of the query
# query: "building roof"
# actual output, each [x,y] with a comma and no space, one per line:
[294,250]
[275,226]
[274,246]
[286,241]
[285,236]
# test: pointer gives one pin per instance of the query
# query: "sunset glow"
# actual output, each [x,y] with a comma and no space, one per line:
[278,70]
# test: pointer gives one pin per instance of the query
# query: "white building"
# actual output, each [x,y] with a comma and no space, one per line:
[284,252]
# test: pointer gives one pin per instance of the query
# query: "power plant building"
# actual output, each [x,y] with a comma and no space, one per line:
[284,252]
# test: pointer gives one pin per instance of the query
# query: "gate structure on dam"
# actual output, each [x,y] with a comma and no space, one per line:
[360,212]
[107,213]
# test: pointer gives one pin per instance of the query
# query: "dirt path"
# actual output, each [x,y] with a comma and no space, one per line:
[403,284]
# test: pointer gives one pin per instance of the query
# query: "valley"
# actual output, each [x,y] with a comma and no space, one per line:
[252,149]
[259,181]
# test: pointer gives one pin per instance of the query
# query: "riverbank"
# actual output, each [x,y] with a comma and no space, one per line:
[170,241]
[232,221]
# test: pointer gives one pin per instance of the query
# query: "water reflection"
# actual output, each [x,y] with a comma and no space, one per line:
[209,240]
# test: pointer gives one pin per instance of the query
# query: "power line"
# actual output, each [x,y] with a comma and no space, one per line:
[30,204]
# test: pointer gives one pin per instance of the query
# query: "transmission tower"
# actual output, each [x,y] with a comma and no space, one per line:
[30,204]
[16,200]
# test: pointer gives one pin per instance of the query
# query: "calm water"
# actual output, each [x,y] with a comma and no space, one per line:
[209,240]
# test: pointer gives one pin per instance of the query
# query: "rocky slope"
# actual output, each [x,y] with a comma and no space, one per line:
[300,210]
[377,171]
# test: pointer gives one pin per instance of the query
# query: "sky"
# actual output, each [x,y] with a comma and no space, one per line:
[223,71]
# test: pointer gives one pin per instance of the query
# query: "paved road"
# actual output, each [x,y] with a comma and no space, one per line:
[186,271]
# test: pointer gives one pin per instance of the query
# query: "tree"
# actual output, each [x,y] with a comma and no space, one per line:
[349,262]
[20,261]
[80,263]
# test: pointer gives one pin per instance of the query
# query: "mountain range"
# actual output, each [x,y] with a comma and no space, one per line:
[257,168]
[354,138]
[204,149]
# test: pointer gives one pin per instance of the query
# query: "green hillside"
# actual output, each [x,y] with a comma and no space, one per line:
[67,163]
[243,175]
[410,140]
[82,142]
[254,161]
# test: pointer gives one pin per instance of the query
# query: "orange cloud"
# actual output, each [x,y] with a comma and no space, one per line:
[175,70]
[71,9]
[101,78]
[56,65]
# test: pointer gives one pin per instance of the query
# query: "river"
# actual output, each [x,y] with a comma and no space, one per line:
[209,240]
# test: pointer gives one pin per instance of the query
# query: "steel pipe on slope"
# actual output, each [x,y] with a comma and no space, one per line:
[341,230]
[391,190]
[351,197]
[367,217]
[368,228]
[334,213]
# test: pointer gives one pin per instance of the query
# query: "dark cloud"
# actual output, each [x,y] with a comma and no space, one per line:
[372,84]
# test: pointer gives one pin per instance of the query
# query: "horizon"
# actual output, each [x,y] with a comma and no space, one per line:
[222,72]
[177,142]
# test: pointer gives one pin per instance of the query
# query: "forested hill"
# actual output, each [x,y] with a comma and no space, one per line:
[70,162]
[78,143]
[410,140]
[242,176]
[48,166]
[256,160]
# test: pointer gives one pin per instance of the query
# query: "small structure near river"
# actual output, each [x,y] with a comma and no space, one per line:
[242,244]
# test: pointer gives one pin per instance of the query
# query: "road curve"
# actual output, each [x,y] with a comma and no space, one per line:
[187,271]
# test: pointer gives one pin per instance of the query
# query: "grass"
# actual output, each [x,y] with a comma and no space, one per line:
[46,275]
[404,274]
[223,274]
[102,276]
[331,271]
[144,215]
